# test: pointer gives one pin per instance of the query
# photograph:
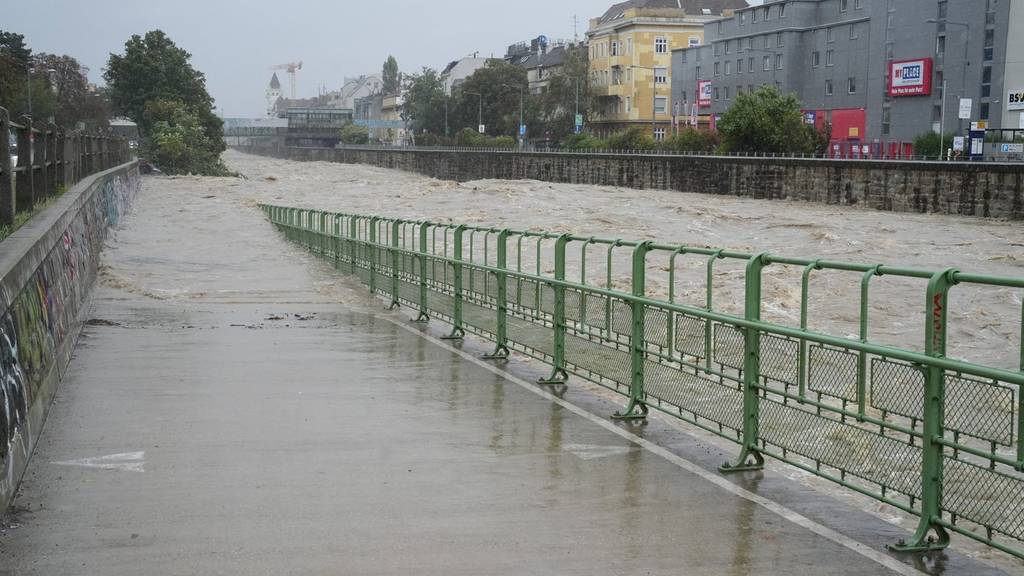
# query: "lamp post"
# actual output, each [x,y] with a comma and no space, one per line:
[966,63]
[28,75]
[480,113]
[654,97]
[519,130]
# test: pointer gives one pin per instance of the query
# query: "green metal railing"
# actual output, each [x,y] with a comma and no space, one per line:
[936,437]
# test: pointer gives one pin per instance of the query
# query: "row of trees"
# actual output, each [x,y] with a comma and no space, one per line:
[497,96]
[46,86]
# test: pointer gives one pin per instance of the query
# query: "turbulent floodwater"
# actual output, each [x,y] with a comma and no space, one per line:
[985,324]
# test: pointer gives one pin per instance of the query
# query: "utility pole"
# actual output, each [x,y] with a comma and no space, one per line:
[942,121]
[480,114]
[28,74]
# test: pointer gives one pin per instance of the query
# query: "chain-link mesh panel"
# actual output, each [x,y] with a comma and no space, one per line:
[832,371]
[528,295]
[622,317]
[481,317]
[690,334]
[597,311]
[573,306]
[530,335]
[441,303]
[604,361]
[656,327]
[980,409]
[984,496]
[729,346]
[409,292]
[897,387]
[709,399]
[547,299]
[477,281]
[779,358]
[854,450]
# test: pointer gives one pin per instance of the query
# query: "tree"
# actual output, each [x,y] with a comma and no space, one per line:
[500,83]
[75,102]
[154,69]
[15,60]
[177,141]
[766,121]
[425,102]
[355,134]
[567,91]
[392,79]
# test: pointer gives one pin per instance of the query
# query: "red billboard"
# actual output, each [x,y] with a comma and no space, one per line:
[910,77]
[704,93]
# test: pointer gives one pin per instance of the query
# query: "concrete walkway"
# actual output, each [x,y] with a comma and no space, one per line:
[232,410]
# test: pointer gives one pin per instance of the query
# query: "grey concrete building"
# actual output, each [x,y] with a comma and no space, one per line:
[871,69]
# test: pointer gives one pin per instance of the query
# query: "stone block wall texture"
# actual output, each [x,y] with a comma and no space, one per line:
[47,269]
[994,190]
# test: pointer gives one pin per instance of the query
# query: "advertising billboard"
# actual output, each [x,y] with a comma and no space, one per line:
[1015,100]
[704,93]
[911,77]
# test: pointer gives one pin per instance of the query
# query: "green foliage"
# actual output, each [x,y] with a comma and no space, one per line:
[153,69]
[634,138]
[390,76]
[582,142]
[567,90]
[929,143]
[424,103]
[354,134]
[500,83]
[472,139]
[692,140]
[766,121]
[177,142]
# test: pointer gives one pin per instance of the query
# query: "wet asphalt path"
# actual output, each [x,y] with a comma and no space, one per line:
[228,412]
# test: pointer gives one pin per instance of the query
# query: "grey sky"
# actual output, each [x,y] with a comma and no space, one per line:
[234,42]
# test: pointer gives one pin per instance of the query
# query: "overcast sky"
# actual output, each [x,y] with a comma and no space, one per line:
[234,42]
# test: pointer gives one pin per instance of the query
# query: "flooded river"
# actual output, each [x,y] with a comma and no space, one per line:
[985,323]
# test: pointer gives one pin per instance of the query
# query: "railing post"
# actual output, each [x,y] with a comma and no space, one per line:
[501,277]
[51,159]
[23,181]
[374,254]
[6,183]
[395,261]
[423,316]
[457,333]
[637,407]
[751,371]
[936,304]
[353,245]
[558,373]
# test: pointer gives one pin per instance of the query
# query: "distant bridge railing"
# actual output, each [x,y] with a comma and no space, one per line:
[936,437]
[47,159]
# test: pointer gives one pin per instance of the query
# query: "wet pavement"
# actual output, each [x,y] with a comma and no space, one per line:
[235,408]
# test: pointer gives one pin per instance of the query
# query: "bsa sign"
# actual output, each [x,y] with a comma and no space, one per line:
[704,93]
[1015,100]
[910,77]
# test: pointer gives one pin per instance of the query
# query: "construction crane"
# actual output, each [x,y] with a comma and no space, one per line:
[291,68]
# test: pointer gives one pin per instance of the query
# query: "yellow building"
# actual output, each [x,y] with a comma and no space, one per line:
[630,50]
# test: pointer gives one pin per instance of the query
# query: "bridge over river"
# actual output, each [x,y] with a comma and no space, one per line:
[238,402]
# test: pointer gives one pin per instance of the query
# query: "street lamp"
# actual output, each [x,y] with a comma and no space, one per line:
[520,129]
[654,97]
[480,114]
[967,39]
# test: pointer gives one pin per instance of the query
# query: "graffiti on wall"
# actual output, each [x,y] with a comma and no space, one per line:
[43,315]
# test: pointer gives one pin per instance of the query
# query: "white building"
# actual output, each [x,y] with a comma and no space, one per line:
[456,72]
[273,93]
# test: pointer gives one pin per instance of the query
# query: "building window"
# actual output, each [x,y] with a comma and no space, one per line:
[661,75]
[843,5]
[815,59]
[694,42]
[629,45]
[830,35]
[767,13]
[986,82]
[886,121]
[719,27]
[851,85]
[990,39]
[698,72]
[660,104]
[629,104]
[742,18]
[683,55]
[767,63]
[739,66]
[782,10]
[753,15]
[726,92]
[750,43]
[942,9]
[940,45]
[778,39]
[767,42]
[778,61]
[615,47]
[858,4]
[659,134]
[661,45]
[829,57]
[853,31]
[983,114]
[717,49]
[828,87]
[739,89]
[728,46]
[716,92]
[750,64]
[718,68]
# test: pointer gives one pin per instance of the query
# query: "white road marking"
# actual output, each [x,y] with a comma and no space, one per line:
[593,452]
[793,516]
[126,462]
